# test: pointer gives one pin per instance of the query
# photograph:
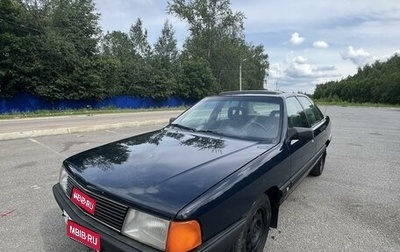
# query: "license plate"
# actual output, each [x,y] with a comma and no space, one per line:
[83,235]
[84,201]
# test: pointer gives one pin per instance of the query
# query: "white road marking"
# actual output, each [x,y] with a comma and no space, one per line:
[47,147]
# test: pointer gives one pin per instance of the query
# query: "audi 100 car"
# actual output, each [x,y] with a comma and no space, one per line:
[213,179]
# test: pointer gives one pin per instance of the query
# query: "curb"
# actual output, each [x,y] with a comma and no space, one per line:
[77,129]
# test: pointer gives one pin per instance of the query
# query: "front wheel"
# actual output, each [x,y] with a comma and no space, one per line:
[255,233]
[319,167]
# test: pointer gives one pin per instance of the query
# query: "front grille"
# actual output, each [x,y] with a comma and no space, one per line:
[107,211]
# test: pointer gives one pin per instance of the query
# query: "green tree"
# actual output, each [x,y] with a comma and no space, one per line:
[51,49]
[255,68]
[119,45]
[71,56]
[119,52]
[196,78]
[139,40]
[217,36]
[19,43]
[165,57]
[143,79]
[209,21]
[165,49]
[378,83]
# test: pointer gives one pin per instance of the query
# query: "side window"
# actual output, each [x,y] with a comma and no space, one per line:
[296,115]
[314,115]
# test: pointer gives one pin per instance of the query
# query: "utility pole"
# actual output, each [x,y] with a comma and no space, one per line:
[240,74]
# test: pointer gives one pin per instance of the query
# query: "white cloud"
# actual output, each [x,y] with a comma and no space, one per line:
[357,56]
[299,68]
[299,74]
[276,71]
[296,39]
[300,60]
[320,44]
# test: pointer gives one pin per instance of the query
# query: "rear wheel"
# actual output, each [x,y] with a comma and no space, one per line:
[319,167]
[255,233]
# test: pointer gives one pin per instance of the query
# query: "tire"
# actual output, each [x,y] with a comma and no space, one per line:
[319,167]
[255,233]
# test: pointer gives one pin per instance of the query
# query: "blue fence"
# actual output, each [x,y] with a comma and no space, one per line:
[28,102]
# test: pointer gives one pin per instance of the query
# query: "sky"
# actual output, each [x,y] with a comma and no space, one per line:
[308,42]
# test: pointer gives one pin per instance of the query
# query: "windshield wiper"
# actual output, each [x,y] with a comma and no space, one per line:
[206,131]
[183,127]
[195,130]
[212,132]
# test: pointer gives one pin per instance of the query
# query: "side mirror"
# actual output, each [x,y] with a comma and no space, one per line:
[300,133]
[171,120]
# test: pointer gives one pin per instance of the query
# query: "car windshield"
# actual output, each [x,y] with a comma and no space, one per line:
[249,117]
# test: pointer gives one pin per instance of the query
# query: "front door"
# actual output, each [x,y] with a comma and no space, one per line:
[302,151]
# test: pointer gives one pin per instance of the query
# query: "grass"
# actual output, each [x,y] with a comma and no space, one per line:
[69,112]
[353,104]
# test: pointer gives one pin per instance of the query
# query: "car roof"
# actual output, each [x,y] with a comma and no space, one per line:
[258,93]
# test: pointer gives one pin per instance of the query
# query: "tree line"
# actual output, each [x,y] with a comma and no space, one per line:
[56,49]
[376,83]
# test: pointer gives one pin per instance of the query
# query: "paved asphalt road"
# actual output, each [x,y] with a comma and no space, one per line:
[34,127]
[353,206]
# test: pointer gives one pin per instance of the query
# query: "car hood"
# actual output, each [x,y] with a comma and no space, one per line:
[161,171]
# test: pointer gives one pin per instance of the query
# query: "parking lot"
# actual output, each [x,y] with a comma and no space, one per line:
[353,206]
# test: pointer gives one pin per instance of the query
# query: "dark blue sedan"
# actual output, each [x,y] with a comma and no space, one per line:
[212,180]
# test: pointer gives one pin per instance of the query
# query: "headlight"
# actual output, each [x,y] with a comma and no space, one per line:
[146,228]
[63,179]
[162,234]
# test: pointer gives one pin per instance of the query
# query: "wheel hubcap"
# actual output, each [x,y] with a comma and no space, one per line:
[255,231]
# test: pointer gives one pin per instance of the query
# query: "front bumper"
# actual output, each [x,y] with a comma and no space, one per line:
[112,240]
